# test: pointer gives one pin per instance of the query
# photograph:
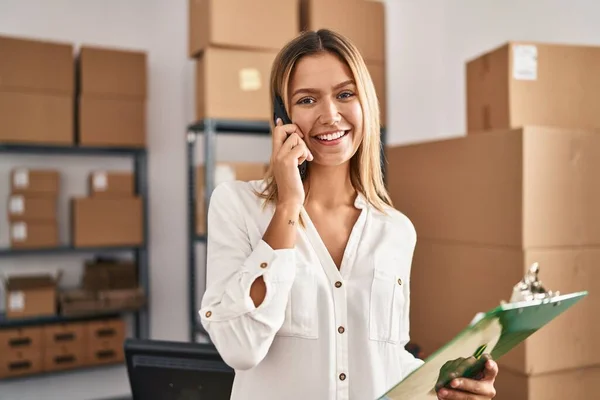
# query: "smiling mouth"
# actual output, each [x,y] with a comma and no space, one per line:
[330,137]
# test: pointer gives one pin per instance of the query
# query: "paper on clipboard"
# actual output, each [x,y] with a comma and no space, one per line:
[501,329]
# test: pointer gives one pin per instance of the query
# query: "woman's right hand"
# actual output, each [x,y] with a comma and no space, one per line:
[288,153]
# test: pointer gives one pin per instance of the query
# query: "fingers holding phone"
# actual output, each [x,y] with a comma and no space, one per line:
[289,151]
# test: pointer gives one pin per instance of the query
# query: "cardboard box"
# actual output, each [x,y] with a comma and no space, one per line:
[107,222]
[575,384]
[36,66]
[33,235]
[377,72]
[111,184]
[36,118]
[111,122]
[38,182]
[36,91]
[30,208]
[110,73]
[233,84]
[112,97]
[260,24]
[21,339]
[30,296]
[530,83]
[104,340]
[224,171]
[64,357]
[17,363]
[471,279]
[363,23]
[528,188]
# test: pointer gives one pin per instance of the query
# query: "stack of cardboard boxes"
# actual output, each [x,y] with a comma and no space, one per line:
[32,208]
[56,347]
[111,214]
[520,187]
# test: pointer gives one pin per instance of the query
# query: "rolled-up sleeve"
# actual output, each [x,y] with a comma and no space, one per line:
[241,332]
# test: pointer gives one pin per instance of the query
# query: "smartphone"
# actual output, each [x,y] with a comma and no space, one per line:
[279,112]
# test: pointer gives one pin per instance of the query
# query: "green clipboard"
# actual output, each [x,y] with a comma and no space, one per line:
[500,330]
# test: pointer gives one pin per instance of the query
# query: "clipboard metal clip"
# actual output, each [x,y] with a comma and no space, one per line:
[530,287]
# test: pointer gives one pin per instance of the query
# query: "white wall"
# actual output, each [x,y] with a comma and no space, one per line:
[428,43]
[430,40]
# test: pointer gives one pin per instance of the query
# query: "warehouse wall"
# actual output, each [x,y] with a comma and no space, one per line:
[426,95]
[429,41]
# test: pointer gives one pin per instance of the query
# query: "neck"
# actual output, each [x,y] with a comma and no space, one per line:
[330,187]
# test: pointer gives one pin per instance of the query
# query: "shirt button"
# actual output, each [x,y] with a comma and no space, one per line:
[399,281]
[341,329]
[263,265]
[338,284]
[208,314]
[342,377]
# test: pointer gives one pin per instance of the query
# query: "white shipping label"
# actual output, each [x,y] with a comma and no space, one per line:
[250,79]
[525,62]
[100,181]
[19,231]
[21,178]
[16,301]
[224,173]
[16,206]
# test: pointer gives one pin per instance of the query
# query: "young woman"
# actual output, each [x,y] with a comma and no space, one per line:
[308,279]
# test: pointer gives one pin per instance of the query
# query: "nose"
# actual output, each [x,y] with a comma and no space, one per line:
[329,113]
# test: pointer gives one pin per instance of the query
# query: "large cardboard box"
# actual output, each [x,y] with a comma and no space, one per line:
[532,187]
[38,182]
[530,83]
[36,91]
[30,296]
[64,346]
[576,384]
[259,24]
[107,221]
[224,172]
[363,23]
[233,84]
[111,97]
[468,279]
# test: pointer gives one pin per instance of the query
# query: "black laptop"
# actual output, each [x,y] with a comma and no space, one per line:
[164,370]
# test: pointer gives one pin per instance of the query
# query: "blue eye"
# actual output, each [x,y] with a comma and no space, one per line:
[346,95]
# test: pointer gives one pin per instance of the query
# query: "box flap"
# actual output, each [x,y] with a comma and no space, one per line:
[30,282]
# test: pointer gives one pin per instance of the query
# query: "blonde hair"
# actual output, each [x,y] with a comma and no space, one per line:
[365,166]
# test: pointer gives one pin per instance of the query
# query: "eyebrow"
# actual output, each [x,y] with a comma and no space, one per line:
[310,90]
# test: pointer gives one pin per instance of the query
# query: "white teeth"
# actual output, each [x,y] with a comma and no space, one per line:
[331,136]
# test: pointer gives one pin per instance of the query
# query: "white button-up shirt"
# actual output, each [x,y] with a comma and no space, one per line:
[320,333]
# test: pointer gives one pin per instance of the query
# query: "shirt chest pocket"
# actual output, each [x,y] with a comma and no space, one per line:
[301,313]
[387,300]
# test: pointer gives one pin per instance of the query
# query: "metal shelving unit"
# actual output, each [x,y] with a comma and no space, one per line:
[140,253]
[210,128]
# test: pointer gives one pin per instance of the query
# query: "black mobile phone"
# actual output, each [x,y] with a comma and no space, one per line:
[279,112]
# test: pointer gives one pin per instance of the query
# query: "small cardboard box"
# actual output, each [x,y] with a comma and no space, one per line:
[33,235]
[531,83]
[111,184]
[30,208]
[233,84]
[363,22]
[257,24]
[38,182]
[107,221]
[224,171]
[31,296]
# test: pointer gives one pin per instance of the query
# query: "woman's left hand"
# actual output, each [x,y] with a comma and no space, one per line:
[481,387]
